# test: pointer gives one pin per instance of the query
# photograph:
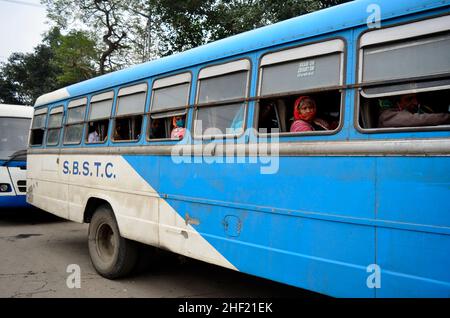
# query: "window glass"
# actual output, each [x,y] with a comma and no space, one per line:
[221,120]
[55,120]
[314,72]
[170,97]
[76,114]
[226,87]
[39,121]
[411,58]
[73,133]
[131,104]
[53,136]
[13,135]
[100,109]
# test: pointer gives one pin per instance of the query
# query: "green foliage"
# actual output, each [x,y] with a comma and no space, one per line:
[125,32]
[190,23]
[59,61]
[26,76]
[75,57]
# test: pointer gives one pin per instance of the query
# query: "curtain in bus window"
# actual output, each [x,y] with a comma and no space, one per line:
[101,109]
[131,104]
[170,97]
[227,119]
[412,58]
[310,73]
[230,86]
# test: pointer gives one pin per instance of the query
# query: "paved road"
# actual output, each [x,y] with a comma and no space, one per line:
[36,248]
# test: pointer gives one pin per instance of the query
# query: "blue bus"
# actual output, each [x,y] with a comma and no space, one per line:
[312,152]
[15,123]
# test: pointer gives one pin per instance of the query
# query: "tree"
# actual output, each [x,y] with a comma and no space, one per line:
[27,76]
[60,60]
[190,23]
[75,56]
[131,31]
[109,20]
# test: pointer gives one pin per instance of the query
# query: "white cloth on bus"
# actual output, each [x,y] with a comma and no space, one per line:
[93,137]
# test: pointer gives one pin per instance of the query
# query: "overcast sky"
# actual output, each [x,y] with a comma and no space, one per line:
[22,23]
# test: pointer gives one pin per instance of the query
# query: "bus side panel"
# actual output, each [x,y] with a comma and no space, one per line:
[332,186]
[293,226]
[47,188]
[414,262]
[323,256]
[414,190]
[134,201]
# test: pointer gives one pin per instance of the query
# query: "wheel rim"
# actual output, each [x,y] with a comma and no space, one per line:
[105,242]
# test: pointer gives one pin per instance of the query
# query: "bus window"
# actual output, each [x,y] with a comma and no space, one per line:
[170,98]
[54,125]
[38,127]
[221,99]
[98,119]
[299,89]
[75,120]
[129,113]
[406,81]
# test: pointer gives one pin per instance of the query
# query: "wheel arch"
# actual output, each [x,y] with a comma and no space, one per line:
[91,206]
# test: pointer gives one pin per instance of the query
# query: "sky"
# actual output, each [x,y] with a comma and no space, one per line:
[22,23]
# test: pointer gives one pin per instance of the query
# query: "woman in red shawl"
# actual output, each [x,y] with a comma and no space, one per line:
[305,111]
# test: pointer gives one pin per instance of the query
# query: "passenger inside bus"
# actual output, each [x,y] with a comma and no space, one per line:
[407,111]
[275,114]
[178,130]
[98,131]
[157,130]
[128,128]
[305,116]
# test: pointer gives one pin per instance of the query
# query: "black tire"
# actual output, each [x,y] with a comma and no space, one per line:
[111,255]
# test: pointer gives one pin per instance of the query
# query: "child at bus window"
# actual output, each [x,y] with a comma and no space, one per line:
[305,111]
[407,112]
[178,130]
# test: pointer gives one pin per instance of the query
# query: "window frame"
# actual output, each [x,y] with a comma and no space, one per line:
[81,122]
[246,100]
[115,116]
[59,109]
[359,85]
[88,121]
[340,88]
[41,111]
[182,110]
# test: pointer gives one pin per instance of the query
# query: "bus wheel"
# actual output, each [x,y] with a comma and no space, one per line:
[112,255]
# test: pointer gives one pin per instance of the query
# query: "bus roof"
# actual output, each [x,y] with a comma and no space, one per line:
[7,110]
[344,16]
